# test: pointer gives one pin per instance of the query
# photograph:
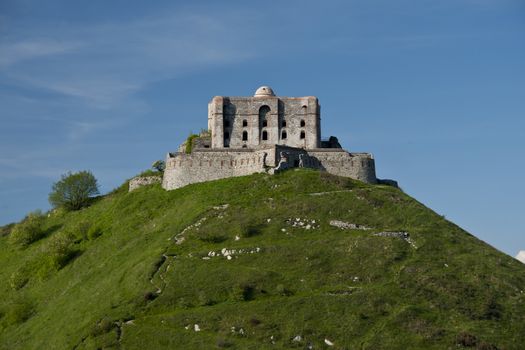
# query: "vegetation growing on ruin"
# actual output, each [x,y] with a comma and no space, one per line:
[150,269]
[189,142]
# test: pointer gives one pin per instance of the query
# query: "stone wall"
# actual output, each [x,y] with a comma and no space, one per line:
[208,164]
[205,165]
[359,166]
[140,181]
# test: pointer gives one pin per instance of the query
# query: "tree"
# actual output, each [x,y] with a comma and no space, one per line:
[159,165]
[73,190]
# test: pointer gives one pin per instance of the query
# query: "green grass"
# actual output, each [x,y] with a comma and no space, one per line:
[92,280]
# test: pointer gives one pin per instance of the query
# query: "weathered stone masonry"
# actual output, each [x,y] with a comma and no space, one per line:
[263,133]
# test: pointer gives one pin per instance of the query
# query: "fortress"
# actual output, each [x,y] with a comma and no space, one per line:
[263,133]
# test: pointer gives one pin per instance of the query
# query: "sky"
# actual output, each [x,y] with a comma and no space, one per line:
[434,89]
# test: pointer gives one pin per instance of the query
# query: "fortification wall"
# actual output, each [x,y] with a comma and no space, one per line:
[206,165]
[140,181]
[360,166]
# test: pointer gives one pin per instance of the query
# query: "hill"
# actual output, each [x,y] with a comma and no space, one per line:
[300,260]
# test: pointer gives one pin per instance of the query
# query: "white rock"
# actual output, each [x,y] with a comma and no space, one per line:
[268,220]
[283,229]
[196,328]
[297,338]
[237,238]
[521,256]
[229,257]
[308,227]
[241,331]
[328,342]
[187,327]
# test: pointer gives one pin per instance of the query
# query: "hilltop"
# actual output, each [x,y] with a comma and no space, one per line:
[301,259]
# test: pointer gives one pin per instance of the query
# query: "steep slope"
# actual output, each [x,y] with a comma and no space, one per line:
[297,260]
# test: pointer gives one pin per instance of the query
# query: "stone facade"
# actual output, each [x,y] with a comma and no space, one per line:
[263,133]
[140,181]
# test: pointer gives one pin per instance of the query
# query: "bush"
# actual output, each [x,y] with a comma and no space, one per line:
[18,279]
[28,231]
[159,165]
[74,190]
[189,142]
[102,326]
[94,232]
[18,312]
[60,250]
[6,230]
[80,230]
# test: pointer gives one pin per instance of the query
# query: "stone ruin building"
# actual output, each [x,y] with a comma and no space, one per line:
[263,133]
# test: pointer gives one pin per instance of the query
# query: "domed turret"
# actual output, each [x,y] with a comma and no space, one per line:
[264,91]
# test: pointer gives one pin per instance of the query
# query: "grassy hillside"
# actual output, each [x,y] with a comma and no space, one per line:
[253,263]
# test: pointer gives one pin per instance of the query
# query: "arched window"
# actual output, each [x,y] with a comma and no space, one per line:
[265,135]
[283,135]
[303,135]
[244,123]
[264,113]
[302,123]
[245,135]
[226,135]
[304,109]
[226,123]
[284,124]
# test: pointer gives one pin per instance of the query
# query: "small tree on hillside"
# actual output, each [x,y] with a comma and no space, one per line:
[159,165]
[74,190]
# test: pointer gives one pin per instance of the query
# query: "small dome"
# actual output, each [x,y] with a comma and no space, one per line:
[264,91]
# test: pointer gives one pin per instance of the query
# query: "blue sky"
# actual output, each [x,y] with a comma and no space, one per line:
[435,89]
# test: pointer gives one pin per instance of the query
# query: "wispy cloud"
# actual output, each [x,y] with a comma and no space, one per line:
[104,64]
[16,52]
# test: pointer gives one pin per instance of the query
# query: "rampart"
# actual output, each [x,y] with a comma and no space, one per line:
[210,164]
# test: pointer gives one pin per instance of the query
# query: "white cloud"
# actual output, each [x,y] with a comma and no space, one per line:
[23,50]
[521,256]
[102,65]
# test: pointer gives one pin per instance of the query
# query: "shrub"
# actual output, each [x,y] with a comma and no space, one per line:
[159,165]
[6,230]
[28,231]
[18,279]
[80,229]
[466,339]
[18,312]
[94,232]
[102,326]
[189,142]
[74,190]
[60,250]
[250,230]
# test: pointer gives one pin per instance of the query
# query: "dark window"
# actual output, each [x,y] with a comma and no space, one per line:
[245,136]
[226,135]
[226,123]
[284,123]
[283,135]
[303,135]
[302,123]
[244,123]
[264,135]
[264,113]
